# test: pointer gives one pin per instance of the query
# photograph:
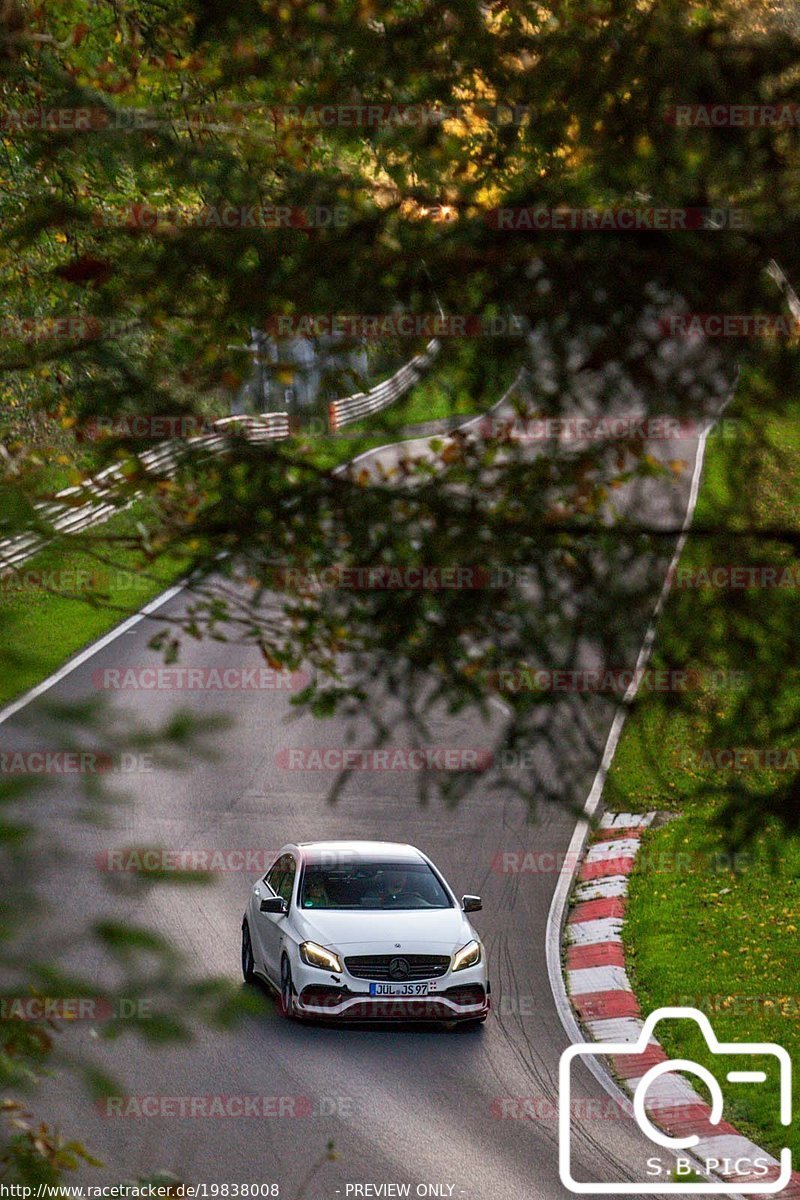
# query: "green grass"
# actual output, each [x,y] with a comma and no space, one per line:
[663,761]
[713,915]
[42,629]
[438,395]
[448,390]
[704,934]
[70,594]
[687,1177]
[444,392]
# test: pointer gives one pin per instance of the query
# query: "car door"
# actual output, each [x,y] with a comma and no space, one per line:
[259,926]
[279,881]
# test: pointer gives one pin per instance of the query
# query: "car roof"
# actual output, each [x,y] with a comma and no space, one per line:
[358,851]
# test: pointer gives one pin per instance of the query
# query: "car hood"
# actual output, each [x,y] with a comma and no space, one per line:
[380,931]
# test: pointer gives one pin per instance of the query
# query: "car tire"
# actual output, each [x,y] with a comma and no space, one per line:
[248,958]
[286,1000]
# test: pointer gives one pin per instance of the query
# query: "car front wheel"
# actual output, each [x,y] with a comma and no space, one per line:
[287,989]
[248,960]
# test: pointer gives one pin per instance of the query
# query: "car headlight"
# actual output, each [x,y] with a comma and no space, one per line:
[467,956]
[318,956]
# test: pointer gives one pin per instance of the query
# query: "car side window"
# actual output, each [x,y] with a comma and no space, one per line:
[286,884]
[274,876]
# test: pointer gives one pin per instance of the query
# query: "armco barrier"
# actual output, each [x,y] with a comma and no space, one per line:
[66,516]
[362,404]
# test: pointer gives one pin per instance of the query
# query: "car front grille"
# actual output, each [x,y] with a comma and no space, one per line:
[377,966]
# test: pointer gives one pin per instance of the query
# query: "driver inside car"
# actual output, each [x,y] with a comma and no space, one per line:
[316,895]
[393,887]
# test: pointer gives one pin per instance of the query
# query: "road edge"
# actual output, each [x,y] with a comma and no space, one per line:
[82,656]
[89,651]
[607,1007]
[557,914]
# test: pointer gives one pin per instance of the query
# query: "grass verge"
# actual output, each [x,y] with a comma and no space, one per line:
[714,903]
[68,595]
[71,593]
[453,388]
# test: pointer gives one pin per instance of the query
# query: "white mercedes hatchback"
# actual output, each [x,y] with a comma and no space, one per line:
[360,930]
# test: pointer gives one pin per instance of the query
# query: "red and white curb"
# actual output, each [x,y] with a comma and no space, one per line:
[608,1011]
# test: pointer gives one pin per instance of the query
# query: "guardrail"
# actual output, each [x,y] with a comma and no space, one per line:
[66,516]
[266,428]
[363,404]
[421,443]
[776,273]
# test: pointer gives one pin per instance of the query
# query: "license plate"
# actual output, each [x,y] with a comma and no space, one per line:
[399,989]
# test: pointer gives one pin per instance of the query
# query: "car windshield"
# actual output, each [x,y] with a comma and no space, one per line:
[373,885]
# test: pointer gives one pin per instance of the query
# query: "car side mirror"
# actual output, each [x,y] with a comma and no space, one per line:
[471,903]
[274,904]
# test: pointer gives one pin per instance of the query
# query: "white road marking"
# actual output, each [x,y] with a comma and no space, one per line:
[558,908]
[602,889]
[84,655]
[595,933]
[598,979]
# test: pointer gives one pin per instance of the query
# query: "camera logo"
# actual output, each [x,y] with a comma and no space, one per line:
[757,1168]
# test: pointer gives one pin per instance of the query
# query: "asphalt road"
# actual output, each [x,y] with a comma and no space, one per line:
[474,1113]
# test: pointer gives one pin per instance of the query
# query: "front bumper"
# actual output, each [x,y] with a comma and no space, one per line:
[461,1001]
